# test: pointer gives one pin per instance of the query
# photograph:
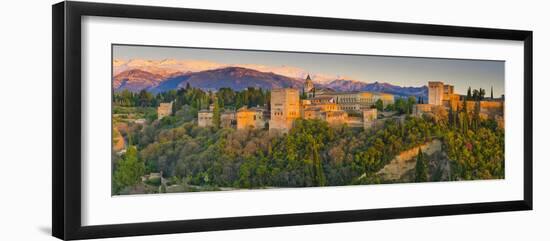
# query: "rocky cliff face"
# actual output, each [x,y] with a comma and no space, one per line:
[405,161]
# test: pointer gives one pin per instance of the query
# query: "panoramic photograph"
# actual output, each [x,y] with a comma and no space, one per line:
[202,119]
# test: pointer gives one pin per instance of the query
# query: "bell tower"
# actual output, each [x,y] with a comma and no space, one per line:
[309,88]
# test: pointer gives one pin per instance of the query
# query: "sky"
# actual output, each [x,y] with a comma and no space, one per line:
[403,71]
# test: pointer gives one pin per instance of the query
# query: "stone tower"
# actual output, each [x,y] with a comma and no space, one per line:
[309,88]
[435,92]
[285,108]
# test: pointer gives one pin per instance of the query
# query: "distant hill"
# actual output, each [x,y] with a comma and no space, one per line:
[397,90]
[345,85]
[353,85]
[135,80]
[239,78]
[236,78]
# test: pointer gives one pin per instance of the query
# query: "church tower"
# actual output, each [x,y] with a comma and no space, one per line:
[309,88]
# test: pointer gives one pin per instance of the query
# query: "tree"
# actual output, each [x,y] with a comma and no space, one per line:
[318,174]
[175,106]
[476,117]
[421,168]
[303,94]
[481,94]
[379,105]
[491,92]
[451,117]
[478,94]
[226,96]
[216,118]
[239,103]
[410,103]
[469,93]
[125,98]
[128,170]
[465,121]
[475,94]
[390,107]
[146,99]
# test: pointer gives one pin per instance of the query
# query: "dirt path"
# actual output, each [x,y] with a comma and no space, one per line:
[406,160]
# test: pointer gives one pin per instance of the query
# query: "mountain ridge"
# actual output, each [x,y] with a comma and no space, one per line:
[239,78]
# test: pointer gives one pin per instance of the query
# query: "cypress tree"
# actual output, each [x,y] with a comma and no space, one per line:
[451,117]
[421,168]
[175,106]
[319,174]
[465,120]
[464,106]
[477,118]
[216,118]
[481,94]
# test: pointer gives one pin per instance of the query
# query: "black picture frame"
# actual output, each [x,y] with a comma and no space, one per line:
[66,127]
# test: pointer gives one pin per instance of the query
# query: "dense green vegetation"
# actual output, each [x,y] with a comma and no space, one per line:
[311,154]
[401,105]
[475,146]
[195,98]
[128,171]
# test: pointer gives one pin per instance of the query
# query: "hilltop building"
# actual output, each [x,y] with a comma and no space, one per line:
[334,107]
[435,92]
[355,109]
[312,108]
[206,117]
[442,94]
[420,109]
[338,117]
[441,97]
[358,100]
[228,119]
[164,109]
[250,118]
[311,112]
[285,108]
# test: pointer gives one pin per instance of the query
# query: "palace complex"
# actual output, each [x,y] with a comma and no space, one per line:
[355,109]
[334,107]
[352,108]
